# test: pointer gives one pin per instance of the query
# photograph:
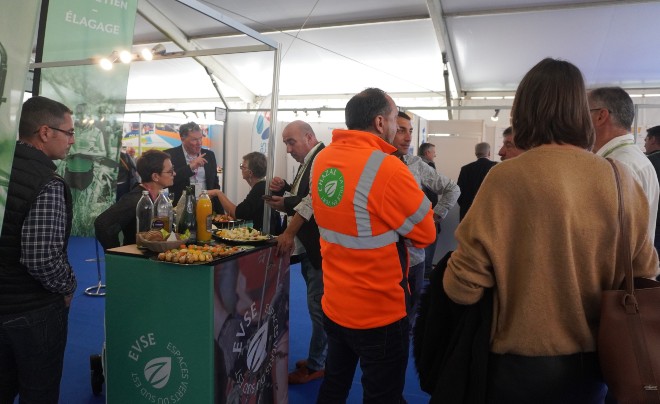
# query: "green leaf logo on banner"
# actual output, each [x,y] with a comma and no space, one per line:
[157,371]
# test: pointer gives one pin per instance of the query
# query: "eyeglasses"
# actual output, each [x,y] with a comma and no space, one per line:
[171,172]
[69,133]
[598,109]
[195,139]
[242,166]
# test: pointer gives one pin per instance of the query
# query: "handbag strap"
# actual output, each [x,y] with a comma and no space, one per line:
[624,245]
[634,322]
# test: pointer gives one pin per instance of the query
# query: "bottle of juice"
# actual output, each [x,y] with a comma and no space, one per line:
[204,213]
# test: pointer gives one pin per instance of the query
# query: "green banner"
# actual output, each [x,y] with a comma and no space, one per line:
[16,40]
[82,29]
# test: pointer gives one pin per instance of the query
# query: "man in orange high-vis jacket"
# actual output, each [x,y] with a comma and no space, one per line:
[365,202]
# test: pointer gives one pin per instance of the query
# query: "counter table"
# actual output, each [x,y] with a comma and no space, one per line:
[208,333]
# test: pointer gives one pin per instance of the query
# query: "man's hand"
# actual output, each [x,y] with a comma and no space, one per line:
[67,300]
[276,202]
[285,244]
[277,184]
[197,162]
[214,193]
[437,218]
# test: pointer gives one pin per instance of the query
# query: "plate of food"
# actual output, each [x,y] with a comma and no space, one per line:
[197,255]
[242,235]
[225,221]
[159,240]
[185,255]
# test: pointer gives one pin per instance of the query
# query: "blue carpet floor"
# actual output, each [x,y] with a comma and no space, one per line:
[86,337]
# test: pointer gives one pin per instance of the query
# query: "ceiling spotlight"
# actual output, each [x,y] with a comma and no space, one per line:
[125,56]
[148,54]
[106,63]
[495,116]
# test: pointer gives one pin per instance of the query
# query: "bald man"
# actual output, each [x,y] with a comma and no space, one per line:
[302,145]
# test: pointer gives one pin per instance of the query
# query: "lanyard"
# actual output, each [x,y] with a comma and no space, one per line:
[610,151]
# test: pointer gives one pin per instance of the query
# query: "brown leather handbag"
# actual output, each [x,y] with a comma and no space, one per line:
[629,331]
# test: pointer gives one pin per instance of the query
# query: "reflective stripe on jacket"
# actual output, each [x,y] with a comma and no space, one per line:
[364,200]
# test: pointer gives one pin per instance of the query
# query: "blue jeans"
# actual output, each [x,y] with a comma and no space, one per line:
[32,354]
[318,343]
[416,285]
[383,356]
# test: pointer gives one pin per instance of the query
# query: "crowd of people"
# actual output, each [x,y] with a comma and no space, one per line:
[538,230]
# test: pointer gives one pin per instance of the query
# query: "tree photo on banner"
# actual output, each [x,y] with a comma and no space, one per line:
[16,33]
[81,29]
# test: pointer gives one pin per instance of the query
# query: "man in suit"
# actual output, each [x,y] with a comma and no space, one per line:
[302,145]
[652,147]
[127,174]
[472,175]
[193,165]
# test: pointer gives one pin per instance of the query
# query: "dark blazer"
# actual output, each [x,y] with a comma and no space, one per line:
[655,160]
[183,174]
[309,233]
[469,180]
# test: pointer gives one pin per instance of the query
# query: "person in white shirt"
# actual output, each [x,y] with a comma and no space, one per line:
[446,193]
[612,113]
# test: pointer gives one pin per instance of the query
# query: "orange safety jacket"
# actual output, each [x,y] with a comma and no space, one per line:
[364,201]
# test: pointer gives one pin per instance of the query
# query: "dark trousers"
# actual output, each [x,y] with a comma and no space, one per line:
[562,379]
[32,354]
[383,356]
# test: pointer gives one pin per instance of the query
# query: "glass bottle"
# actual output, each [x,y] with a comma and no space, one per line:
[162,213]
[170,198]
[144,214]
[187,221]
[204,215]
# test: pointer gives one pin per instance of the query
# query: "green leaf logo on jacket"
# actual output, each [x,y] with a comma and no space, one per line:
[331,187]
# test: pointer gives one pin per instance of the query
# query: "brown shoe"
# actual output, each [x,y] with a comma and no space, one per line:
[305,375]
[301,363]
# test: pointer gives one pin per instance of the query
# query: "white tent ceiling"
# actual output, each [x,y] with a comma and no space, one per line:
[332,49]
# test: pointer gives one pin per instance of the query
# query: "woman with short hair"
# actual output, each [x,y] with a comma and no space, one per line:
[156,171]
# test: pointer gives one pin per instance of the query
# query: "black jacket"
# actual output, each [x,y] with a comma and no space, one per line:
[183,174]
[469,180]
[309,232]
[31,171]
[451,343]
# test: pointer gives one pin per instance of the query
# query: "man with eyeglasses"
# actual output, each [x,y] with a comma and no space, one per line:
[36,278]
[612,113]
[446,194]
[194,165]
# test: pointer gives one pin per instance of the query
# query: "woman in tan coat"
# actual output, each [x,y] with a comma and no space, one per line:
[543,232]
